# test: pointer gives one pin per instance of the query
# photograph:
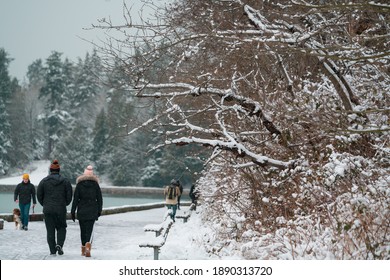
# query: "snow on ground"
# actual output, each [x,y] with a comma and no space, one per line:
[116,237]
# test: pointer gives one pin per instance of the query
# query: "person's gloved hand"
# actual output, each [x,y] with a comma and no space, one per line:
[73,217]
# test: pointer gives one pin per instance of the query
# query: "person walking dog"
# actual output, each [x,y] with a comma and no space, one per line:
[24,193]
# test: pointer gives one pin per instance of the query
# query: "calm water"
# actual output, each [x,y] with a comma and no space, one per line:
[7,201]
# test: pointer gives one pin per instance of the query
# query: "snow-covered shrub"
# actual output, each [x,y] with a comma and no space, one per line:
[305,217]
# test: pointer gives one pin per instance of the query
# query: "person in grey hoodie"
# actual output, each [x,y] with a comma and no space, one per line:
[54,194]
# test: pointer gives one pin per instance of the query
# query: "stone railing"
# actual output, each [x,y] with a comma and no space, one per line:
[111,190]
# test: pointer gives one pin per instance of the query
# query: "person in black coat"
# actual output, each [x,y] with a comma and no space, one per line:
[54,194]
[194,195]
[181,192]
[24,192]
[88,202]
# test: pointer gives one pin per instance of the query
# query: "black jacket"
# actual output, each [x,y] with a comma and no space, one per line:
[54,194]
[25,191]
[194,193]
[87,198]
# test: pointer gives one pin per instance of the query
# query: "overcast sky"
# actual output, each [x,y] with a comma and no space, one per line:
[32,29]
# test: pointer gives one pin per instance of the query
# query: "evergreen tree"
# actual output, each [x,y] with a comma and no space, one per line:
[116,118]
[54,87]
[56,118]
[68,78]
[170,163]
[73,152]
[5,139]
[99,142]
[5,79]
[6,90]
[121,153]
[87,84]
[22,151]
[36,73]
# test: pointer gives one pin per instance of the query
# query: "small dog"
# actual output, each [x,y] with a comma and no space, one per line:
[18,222]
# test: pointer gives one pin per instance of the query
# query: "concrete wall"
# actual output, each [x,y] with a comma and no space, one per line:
[106,211]
[111,190]
[7,188]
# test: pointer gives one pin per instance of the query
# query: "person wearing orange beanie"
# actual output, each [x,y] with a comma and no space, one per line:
[24,193]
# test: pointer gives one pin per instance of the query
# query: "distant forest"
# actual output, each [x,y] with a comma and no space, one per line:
[79,114]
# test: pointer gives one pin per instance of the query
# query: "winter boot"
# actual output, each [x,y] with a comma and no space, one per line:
[59,250]
[83,250]
[88,247]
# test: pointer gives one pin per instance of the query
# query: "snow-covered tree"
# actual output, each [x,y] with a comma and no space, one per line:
[5,139]
[36,73]
[100,136]
[34,107]
[7,88]
[55,116]
[22,151]
[87,85]
[73,152]
[120,154]
[70,91]
[292,99]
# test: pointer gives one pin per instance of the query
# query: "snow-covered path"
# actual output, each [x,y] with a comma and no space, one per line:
[116,237]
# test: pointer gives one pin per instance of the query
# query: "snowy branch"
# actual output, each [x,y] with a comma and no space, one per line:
[253,107]
[239,149]
[148,122]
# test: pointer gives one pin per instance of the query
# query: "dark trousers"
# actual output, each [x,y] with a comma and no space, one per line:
[55,223]
[178,202]
[86,228]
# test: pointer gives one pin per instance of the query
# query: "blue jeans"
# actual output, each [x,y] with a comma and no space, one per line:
[173,207]
[24,213]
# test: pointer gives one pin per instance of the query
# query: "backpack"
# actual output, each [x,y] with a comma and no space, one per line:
[171,192]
